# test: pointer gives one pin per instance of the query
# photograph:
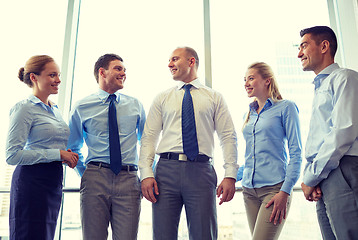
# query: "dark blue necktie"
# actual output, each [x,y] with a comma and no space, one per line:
[114,144]
[190,140]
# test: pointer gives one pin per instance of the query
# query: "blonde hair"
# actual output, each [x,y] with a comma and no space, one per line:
[265,71]
[36,65]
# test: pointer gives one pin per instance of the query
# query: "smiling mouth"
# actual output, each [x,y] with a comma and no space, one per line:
[249,90]
[173,71]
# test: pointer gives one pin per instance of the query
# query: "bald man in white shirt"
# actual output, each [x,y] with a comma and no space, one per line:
[179,180]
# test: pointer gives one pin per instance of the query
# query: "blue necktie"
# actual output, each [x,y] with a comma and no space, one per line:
[190,141]
[114,144]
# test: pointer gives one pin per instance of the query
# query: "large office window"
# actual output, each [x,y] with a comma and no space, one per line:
[144,33]
[27,28]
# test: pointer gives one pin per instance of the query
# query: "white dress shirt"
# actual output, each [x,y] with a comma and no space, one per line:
[211,114]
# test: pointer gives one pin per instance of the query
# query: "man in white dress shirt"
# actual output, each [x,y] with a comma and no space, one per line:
[179,180]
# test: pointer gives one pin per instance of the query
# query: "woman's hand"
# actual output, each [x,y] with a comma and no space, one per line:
[69,157]
[279,211]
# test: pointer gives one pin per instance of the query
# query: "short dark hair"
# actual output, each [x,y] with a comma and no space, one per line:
[321,33]
[104,61]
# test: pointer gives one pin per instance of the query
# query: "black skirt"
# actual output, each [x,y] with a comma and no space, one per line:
[35,200]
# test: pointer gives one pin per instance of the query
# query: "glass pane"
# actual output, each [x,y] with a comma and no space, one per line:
[244,32]
[143,33]
[143,36]
[265,31]
[28,28]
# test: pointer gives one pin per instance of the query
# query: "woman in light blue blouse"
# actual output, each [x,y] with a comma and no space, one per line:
[271,127]
[36,143]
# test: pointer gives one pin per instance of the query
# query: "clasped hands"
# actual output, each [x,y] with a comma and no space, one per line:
[69,157]
[311,193]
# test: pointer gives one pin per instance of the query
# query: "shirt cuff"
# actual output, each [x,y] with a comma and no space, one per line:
[146,173]
[53,155]
[286,188]
[231,172]
[310,181]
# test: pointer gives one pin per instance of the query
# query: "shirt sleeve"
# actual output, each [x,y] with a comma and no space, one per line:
[343,130]
[141,122]
[225,129]
[150,138]
[291,125]
[76,139]
[21,121]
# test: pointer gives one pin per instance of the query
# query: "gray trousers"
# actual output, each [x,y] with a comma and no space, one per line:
[106,198]
[337,210]
[192,184]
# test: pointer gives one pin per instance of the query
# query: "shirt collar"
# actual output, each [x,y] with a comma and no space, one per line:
[196,83]
[317,81]
[254,105]
[35,100]
[103,95]
[329,69]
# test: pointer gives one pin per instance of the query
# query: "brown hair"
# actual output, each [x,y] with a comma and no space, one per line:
[265,71]
[103,62]
[36,65]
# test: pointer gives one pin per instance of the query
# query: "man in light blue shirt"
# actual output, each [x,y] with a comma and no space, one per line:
[331,173]
[107,196]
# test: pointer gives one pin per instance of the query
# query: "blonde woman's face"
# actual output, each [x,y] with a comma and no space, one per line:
[255,85]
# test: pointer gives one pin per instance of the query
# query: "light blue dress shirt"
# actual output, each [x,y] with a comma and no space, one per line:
[89,122]
[37,133]
[267,135]
[333,130]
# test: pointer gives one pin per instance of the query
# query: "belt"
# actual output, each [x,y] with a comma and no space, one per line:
[183,157]
[124,167]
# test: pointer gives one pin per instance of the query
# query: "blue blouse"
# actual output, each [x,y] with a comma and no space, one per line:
[267,136]
[36,134]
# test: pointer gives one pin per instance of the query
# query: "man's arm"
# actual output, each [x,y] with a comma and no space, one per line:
[228,139]
[150,137]
[76,139]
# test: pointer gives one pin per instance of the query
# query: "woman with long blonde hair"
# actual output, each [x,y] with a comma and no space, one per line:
[271,125]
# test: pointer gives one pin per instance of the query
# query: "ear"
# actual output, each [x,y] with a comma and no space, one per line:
[325,46]
[102,72]
[33,77]
[268,81]
[192,62]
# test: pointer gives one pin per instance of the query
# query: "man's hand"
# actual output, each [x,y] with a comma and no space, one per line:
[226,189]
[311,193]
[149,185]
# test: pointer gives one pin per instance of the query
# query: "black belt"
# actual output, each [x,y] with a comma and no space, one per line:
[124,167]
[182,157]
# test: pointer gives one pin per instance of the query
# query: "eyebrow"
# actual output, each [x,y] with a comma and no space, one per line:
[305,42]
[172,58]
